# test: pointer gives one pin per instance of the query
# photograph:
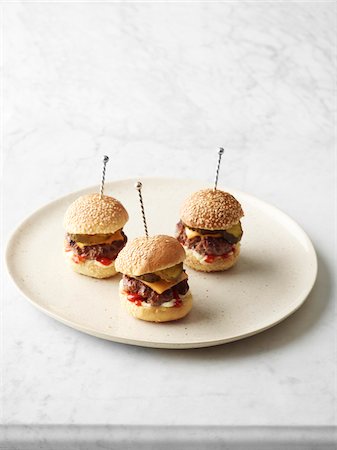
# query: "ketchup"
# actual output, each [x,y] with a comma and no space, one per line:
[177,299]
[78,259]
[211,258]
[104,261]
[138,299]
[135,298]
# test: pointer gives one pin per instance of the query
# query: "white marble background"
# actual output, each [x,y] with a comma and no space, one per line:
[158,87]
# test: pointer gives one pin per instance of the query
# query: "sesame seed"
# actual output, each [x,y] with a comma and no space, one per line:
[211,210]
[147,255]
[90,214]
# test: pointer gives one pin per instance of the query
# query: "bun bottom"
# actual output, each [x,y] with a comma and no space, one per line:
[156,313]
[91,269]
[219,264]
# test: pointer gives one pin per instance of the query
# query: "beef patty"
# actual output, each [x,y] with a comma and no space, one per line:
[99,250]
[205,245]
[133,286]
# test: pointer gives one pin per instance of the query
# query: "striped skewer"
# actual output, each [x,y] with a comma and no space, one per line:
[105,160]
[221,151]
[139,186]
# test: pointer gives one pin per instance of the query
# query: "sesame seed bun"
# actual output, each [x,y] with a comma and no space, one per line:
[211,210]
[90,268]
[148,255]
[90,214]
[219,264]
[156,313]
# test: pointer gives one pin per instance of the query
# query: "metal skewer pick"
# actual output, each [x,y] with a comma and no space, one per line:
[139,186]
[105,160]
[221,151]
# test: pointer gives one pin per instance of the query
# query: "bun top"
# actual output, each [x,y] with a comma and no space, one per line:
[211,210]
[90,214]
[147,255]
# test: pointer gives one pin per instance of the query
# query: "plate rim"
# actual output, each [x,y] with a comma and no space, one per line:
[163,345]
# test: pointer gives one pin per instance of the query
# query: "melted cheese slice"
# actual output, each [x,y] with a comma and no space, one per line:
[117,236]
[162,285]
[192,234]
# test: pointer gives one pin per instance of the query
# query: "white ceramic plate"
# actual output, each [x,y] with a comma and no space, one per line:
[275,272]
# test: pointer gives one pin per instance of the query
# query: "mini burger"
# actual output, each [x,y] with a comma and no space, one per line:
[154,285]
[210,230]
[94,234]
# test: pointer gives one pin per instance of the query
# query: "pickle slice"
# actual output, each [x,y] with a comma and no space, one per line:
[149,277]
[235,230]
[171,273]
[202,231]
[233,234]
[90,239]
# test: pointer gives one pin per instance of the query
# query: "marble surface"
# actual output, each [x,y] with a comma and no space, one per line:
[158,87]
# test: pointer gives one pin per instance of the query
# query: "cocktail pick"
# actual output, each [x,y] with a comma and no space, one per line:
[105,160]
[139,186]
[221,150]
